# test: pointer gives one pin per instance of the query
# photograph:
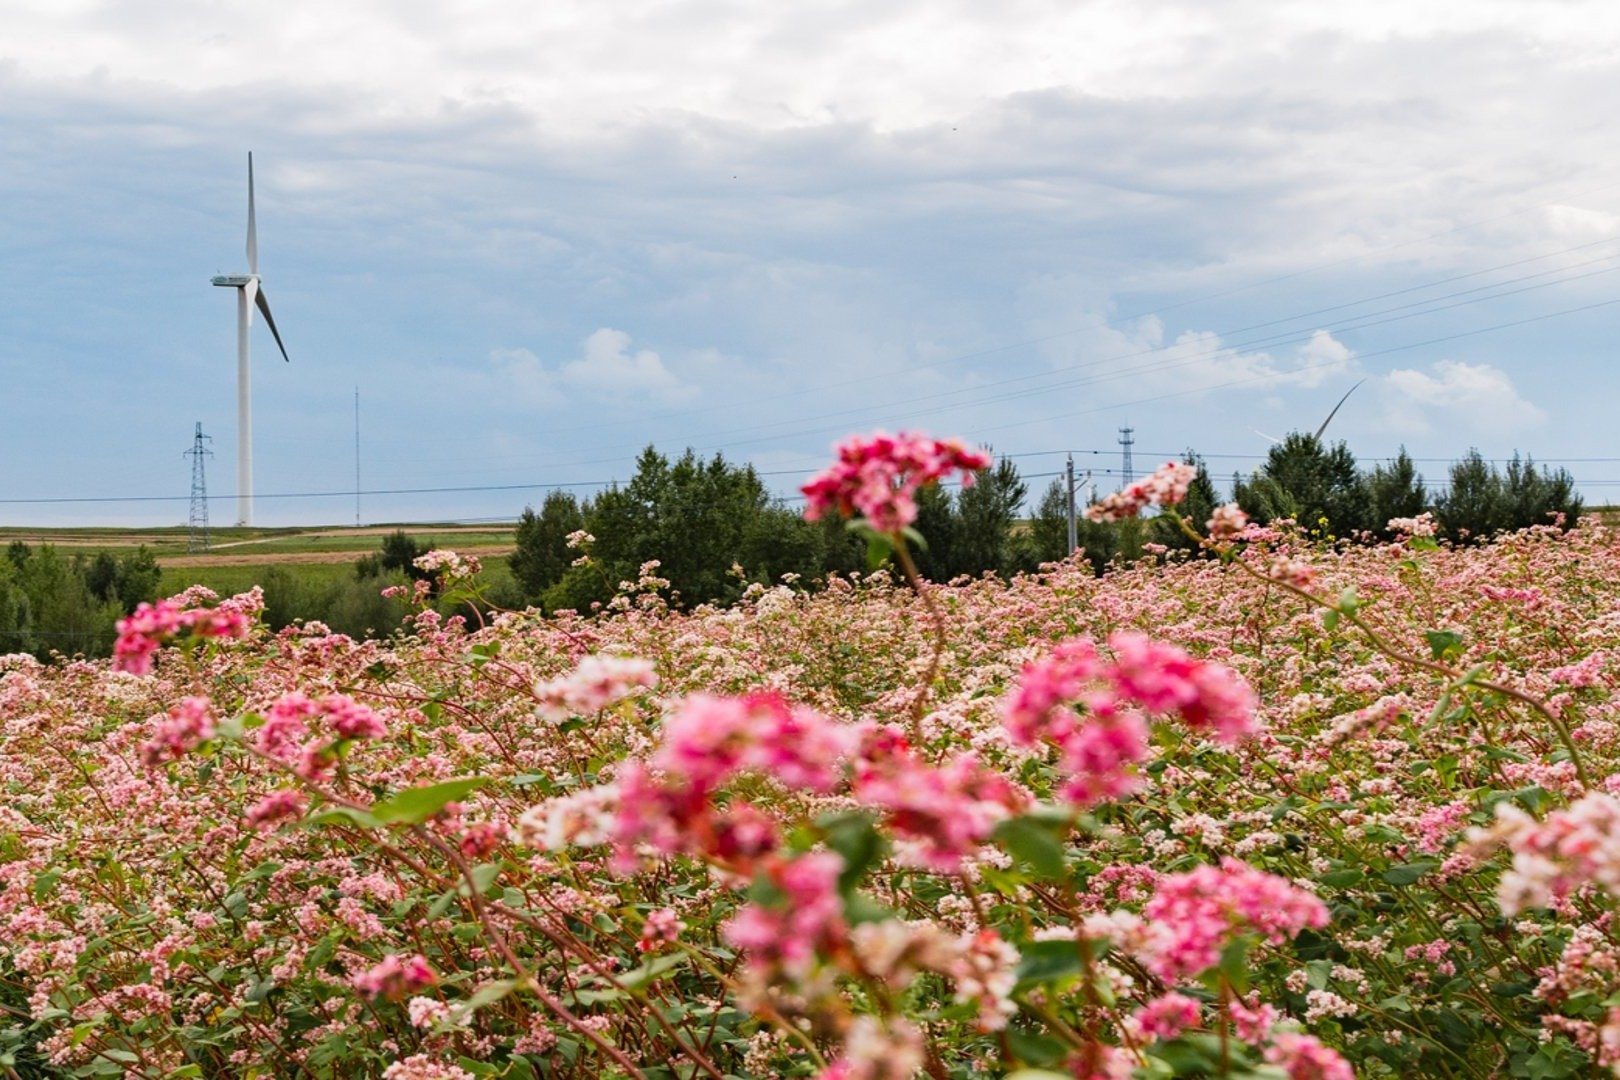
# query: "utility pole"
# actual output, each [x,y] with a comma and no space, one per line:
[1126,441]
[197,527]
[1068,476]
[357,457]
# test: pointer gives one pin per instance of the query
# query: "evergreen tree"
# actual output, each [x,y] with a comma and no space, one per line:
[1395,491]
[1318,487]
[542,555]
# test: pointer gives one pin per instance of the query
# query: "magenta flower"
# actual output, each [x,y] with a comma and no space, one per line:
[276,807]
[879,476]
[187,726]
[1193,915]
[810,916]
[947,811]
[1167,485]
[1163,679]
[395,978]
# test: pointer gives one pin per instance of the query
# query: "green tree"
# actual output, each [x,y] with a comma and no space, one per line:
[67,617]
[16,616]
[1395,491]
[986,512]
[542,555]
[1308,482]
[400,552]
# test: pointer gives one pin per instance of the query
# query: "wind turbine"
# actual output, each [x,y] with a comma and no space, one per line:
[248,294]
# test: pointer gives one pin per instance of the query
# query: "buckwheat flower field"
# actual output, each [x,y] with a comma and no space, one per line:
[1285,809]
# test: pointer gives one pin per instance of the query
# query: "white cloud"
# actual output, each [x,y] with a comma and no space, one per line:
[1454,394]
[606,369]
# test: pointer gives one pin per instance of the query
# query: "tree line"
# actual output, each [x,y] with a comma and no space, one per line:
[54,602]
[714,527]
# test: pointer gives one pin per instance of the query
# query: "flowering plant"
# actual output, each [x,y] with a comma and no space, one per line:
[1285,811]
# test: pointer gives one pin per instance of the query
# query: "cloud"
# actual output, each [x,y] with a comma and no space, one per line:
[1454,394]
[607,369]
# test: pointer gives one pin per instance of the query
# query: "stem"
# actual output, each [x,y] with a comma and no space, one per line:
[935,615]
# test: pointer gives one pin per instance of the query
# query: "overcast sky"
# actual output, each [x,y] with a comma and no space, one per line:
[538,237]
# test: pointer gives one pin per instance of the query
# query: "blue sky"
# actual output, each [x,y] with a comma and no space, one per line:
[538,240]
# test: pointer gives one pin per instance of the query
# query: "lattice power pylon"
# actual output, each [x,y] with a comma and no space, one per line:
[1126,441]
[197,537]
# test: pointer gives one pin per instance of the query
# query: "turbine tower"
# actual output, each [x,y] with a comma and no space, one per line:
[249,294]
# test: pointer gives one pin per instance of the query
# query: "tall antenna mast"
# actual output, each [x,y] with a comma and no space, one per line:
[1126,441]
[197,527]
[357,457]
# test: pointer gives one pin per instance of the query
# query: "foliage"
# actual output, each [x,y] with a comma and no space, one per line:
[876,831]
[1483,501]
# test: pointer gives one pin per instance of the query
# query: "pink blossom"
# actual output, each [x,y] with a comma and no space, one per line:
[423,1067]
[1167,485]
[350,719]
[276,807]
[661,927]
[395,977]
[1227,522]
[188,725]
[949,810]
[1162,678]
[1303,1057]
[879,476]
[599,681]
[1194,914]
[710,738]
[1167,1016]
[809,916]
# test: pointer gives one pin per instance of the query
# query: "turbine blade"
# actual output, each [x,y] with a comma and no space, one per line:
[1335,411]
[264,306]
[253,232]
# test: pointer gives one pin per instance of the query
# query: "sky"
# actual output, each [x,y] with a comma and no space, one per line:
[539,238]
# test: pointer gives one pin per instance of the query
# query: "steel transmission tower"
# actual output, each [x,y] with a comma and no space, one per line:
[197,537]
[1126,441]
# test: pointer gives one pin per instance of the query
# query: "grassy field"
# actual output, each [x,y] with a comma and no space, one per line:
[238,557]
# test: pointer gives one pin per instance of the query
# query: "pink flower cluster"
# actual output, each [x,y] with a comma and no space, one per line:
[187,726]
[285,733]
[1168,485]
[1574,846]
[276,807]
[808,916]
[662,927]
[598,681]
[141,634]
[706,742]
[395,978]
[879,476]
[1102,749]
[946,811]
[1193,915]
[1303,1057]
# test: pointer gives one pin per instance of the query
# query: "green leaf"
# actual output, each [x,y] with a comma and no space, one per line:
[1330,620]
[487,994]
[878,548]
[483,876]
[1407,873]
[343,814]
[1043,962]
[1444,643]
[46,882]
[1348,602]
[638,977]
[1342,879]
[1034,842]
[855,838]
[415,805]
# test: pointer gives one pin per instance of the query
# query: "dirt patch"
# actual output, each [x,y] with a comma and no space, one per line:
[287,558]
